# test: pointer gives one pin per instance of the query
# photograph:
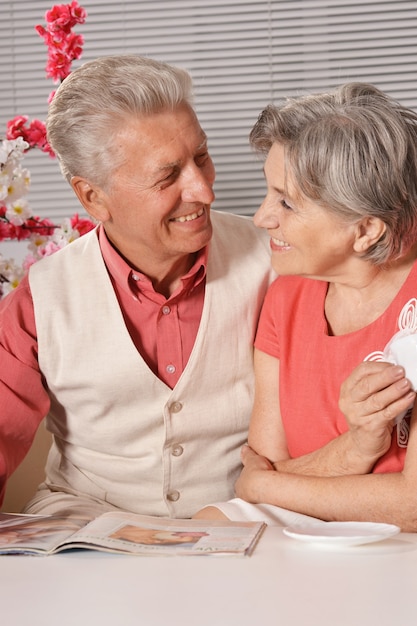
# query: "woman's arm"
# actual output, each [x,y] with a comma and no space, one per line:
[389,498]
[371,398]
[266,431]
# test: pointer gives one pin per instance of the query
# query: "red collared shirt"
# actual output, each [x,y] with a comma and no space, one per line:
[163,330]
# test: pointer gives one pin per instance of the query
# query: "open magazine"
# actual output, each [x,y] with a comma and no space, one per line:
[126,533]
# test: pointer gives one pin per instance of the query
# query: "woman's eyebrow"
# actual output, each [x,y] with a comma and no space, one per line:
[283,192]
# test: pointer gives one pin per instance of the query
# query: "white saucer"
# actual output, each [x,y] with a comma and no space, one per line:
[342,533]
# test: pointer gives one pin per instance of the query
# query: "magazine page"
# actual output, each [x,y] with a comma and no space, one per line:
[144,535]
[34,534]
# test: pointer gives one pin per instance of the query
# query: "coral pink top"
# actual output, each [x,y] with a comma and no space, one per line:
[313,364]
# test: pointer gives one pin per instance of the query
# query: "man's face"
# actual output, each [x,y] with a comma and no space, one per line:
[157,203]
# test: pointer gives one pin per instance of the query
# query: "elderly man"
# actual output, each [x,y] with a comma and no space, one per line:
[136,340]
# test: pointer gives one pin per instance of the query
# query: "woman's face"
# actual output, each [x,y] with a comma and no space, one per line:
[306,239]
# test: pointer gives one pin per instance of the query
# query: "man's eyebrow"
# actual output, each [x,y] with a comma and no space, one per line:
[174,164]
[168,166]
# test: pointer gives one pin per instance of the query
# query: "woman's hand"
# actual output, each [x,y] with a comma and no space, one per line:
[371,398]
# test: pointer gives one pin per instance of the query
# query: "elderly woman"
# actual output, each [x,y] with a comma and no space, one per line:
[333,434]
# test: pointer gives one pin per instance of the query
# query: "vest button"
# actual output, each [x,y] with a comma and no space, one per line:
[175,407]
[173,496]
[170,369]
[177,450]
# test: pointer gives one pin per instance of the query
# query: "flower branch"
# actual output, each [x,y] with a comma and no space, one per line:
[16,219]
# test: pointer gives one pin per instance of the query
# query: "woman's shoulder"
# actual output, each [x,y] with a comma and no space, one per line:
[291,296]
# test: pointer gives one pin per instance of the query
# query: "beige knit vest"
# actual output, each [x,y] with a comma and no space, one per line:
[120,434]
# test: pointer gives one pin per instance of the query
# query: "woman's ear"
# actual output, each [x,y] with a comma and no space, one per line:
[369,231]
[91,197]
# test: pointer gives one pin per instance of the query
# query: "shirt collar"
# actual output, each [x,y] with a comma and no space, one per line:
[132,281]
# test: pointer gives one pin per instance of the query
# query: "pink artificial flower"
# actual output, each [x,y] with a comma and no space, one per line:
[4,230]
[51,96]
[58,65]
[47,148]
[22,233]
[29,260]
[49,248]
[78,13]
[58,18]
[42,32]
[33,224]
[65,16]
[63,45]
[34,134]
[83,225]
[11,231]
[74,46]
[42,227]
[16,128]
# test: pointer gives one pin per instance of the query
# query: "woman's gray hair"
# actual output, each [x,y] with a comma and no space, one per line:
[93,102]
[354,151]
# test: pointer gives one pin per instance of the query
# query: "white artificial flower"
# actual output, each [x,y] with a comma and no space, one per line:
[4,185]
[10,274]
[18,185]
[12,151]
[15,212]
[18,212]
[37,242]
[14,179]
[65,234]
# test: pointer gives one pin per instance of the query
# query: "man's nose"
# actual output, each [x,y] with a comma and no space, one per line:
[198,187]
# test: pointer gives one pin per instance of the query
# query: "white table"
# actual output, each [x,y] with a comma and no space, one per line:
[284,583]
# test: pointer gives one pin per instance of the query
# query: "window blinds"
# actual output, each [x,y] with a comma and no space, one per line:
[242,55]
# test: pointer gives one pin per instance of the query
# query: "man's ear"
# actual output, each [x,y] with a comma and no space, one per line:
[369,231]
[91,197]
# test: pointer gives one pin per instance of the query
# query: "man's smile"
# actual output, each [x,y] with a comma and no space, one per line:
[189,217]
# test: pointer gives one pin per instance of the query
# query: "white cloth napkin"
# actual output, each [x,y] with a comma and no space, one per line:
[238,510]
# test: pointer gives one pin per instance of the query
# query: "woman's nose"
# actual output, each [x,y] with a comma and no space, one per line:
[265,217]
